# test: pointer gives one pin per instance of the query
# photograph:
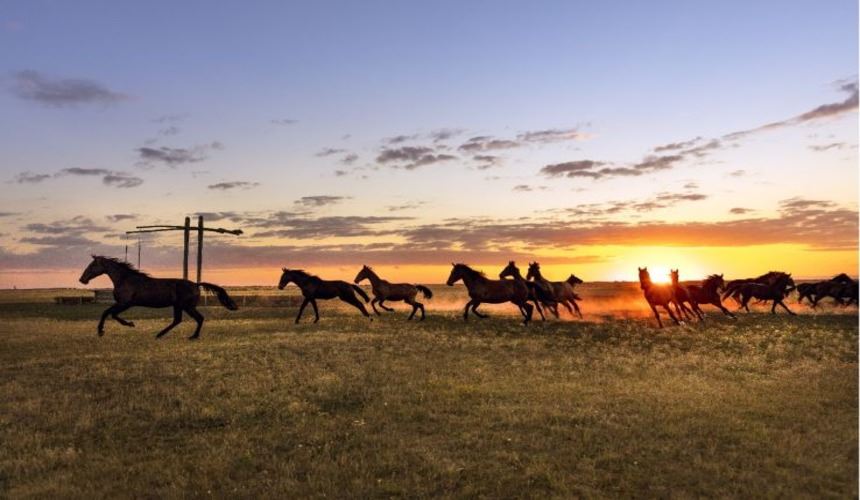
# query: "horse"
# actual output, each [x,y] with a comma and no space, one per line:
[806,291]
[684,296]
[661,295]
[732,289]
[132,287]
[561,291]
[709,292]
[839,288]
[384,290]
[536,294]
[482,289]
[313,288]
[781,284]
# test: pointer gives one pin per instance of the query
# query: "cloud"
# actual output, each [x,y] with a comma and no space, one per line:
[525,188]
[30,178]
[8,214]
[443,134]
[340,173]
[674,146]
[571,168]
[320,200]
[297,226]
[405,206]
[349,159]
[740,211]
[738,173]
[174,157]
[825,147]
[824,111]
[553,135]
[226,186]
[329,151]
[411,157]
[121,180]
[487,161]
[33,86]
[120,217]
[487,143]
[398,139]
[109,177]
[58,241]
[284,121]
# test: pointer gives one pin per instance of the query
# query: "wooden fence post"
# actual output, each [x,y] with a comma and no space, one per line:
[199,248]
[187,235]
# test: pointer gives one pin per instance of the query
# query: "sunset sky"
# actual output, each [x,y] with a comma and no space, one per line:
[594,137]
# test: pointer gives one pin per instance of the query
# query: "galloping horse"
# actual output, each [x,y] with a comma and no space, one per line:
[536,294]
[709,292]
[657,295]
[561,291]
[136,288]
[313,288]
[768,279]
[384,290]
[684,296]
[779,286]
[482,289]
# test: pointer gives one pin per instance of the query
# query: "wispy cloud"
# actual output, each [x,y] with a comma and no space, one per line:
[59,92]
[412,157]
[226,186]
[320,200]
[175,157]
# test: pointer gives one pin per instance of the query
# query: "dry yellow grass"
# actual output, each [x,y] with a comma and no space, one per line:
[765,406]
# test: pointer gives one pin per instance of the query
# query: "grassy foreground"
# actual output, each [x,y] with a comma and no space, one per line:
[764,406]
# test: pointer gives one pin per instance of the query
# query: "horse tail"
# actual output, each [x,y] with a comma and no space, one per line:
[359,291]
[731,289]
[426,291]
[225,299]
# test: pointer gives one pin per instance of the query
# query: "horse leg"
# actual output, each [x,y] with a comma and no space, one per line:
[656,314]
[566,305]
[385,307]
[118,309]
[786,308]
[576,306]
[353,301]
[725,311]
[316,311]
[177,318]
[475,310]
[539,309]
[101,327]
[302,309]
[373,305]
[666,307]
[194,313]
[553,308]
[529,309]
[414,308]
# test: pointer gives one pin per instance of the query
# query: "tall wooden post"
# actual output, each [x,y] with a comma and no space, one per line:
[187,235]
[199,248]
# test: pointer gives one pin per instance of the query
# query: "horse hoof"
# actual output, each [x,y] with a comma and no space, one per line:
[194,337]
[101,333]
[131,324]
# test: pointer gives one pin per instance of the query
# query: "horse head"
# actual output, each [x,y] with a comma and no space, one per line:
[534,271]
[510,270]
[286,277]
[362,275]
[95,269]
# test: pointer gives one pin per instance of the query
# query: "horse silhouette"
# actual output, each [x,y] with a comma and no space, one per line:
[482,289]
[560,291]
[537,295]
[683,296]
[709,292]
[662,295]
[774,286]
[132,287]
[313,288]
[384,290]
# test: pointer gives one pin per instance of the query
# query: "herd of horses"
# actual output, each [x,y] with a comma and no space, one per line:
[533,292]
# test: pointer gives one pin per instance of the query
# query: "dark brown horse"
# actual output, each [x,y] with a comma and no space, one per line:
[313,288]
[709,292]
[733,287]
[683,296]
[560,291]
[537,295]
[662,295]
[384,290]
[482,289]
[136,288]
[776,288]
[841,288]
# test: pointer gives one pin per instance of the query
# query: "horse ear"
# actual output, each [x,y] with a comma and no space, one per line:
[284,269]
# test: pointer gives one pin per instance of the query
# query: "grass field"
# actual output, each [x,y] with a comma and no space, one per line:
[762,406]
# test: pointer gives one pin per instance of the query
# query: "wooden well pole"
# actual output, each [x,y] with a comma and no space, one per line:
[187,235]
[199,248]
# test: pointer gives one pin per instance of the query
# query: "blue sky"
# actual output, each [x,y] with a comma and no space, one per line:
[212,80]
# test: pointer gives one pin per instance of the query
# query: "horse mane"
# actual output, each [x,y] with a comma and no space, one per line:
[713,278]
[473,271]
[771,274]
[123,264]
[842,278]
[302,272]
